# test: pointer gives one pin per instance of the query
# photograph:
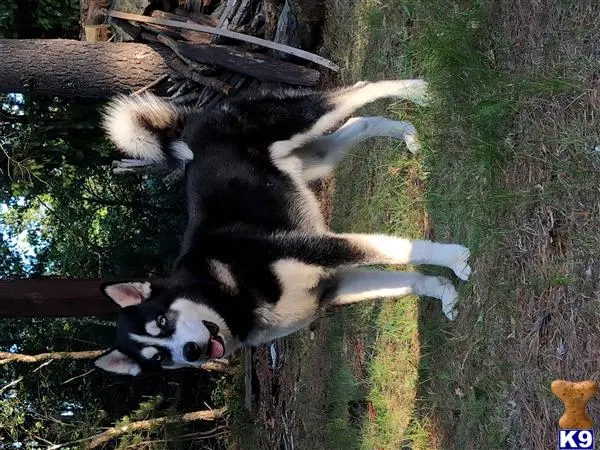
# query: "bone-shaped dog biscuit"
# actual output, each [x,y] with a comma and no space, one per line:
[575,396]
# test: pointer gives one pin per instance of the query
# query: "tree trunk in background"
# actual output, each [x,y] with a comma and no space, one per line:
[69,68]
[53,298]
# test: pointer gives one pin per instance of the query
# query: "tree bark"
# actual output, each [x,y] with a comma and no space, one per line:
[79,69]
[54,298]
[112,433]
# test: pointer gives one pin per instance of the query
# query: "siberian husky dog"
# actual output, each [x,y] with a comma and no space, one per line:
[257,261]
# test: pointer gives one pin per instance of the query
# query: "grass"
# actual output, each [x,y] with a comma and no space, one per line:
[494,175]
[510,168]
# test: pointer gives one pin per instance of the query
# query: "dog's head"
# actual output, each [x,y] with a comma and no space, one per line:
[162,328]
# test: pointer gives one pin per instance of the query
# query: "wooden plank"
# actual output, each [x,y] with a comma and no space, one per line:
[256,65]
[230,34]
[54,298]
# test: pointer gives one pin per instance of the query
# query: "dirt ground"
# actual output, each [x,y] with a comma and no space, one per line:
[278,409]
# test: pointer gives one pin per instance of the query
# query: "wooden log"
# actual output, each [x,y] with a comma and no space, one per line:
[97,33]
[271,11]
[252,64]
[242,14]
[230,34]
[227,13]
[124,30]
[296,32]
[182,68]
[237,16]
[54,298]
[194,65]
[70,68]
[95,16]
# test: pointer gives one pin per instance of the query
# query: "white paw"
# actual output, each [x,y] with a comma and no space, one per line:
[459,261]
[444,290]
[360,84]
[416,91]
[412,140]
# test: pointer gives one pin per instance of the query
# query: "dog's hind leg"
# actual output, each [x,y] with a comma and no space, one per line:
[351,285]
[320,156]
[344,102]
[377,249]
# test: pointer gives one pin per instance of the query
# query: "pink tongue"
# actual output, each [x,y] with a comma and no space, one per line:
[216,349]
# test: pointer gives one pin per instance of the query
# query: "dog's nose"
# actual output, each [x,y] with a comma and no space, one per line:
[192,351]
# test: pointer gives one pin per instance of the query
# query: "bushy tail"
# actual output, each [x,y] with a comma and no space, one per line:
[148,128]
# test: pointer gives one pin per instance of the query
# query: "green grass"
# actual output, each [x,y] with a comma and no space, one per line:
[461,182]
[384,189]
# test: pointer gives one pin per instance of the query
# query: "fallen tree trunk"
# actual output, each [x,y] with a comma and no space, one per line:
[79,69]
[256,65]
[117,431]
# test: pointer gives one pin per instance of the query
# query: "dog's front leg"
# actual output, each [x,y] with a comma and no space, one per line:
[334,251]
[351,285]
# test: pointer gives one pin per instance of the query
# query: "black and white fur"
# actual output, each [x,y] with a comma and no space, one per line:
[257,261]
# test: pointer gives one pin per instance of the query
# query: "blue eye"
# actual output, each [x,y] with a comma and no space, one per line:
[161,321]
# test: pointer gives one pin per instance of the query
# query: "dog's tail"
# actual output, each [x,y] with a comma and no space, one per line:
[148,128]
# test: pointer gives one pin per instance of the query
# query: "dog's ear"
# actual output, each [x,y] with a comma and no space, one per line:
[119,363]
[127,294]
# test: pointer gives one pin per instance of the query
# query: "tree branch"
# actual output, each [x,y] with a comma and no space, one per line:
[117,431]
[7,357]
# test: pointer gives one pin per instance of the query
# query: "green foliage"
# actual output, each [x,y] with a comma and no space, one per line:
[60,196]
[65,214]
[39,19]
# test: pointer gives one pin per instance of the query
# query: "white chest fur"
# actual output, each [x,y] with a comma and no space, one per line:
[297,305]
